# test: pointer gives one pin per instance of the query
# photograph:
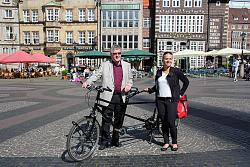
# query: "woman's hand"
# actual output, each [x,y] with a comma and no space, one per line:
[146,90]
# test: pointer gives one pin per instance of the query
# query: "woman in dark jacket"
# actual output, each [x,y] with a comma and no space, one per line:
[168,92]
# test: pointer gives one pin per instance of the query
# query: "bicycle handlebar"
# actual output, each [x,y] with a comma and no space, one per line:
[101,89]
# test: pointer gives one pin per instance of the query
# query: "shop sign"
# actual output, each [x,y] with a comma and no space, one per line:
[36,48]
[78,48]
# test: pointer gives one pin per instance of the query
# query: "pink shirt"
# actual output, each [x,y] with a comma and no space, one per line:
[118,75]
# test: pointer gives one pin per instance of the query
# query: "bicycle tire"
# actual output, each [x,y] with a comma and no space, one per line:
[81,143]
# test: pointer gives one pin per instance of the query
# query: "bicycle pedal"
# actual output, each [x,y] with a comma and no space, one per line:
[121,131]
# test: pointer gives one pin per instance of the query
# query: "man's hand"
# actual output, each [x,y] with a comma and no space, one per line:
[85,84]
[127,88]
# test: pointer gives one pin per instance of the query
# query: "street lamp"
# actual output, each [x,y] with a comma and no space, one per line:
[161,58]
[74,53]
[243,35]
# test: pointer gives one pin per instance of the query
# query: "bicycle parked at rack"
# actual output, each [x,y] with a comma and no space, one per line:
[84,136]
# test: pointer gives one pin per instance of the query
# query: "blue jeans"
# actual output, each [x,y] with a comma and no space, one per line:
[235,73]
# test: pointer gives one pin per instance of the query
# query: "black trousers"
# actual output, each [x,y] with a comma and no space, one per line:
[118,119]
[167,111]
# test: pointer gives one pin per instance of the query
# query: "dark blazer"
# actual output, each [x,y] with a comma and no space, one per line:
[173,77]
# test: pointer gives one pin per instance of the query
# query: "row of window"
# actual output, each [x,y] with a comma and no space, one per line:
[120,19]
[181,23]
[172,46]
[125,41]
[187,3]
[53,15]
[237,45]
[88,62]
[9,50]
[237,34]
[53,36]
[240,26]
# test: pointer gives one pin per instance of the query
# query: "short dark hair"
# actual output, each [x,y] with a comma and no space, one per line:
[167,53]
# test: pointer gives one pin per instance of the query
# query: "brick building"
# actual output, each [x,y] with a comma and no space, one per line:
[218,26]
[180,25]
[239,22]
[187,24]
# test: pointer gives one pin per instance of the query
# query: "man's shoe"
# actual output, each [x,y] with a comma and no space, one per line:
[117,144]
[103,146]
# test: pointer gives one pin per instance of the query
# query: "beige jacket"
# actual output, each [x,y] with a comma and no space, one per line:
[105,73]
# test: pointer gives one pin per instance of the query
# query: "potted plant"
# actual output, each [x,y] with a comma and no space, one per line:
[64,72]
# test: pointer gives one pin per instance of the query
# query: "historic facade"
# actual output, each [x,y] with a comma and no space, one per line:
[185,24]
[9,40]
[121,23]
[58,29]
[239,23]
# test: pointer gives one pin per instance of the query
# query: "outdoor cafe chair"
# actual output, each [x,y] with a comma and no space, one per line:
[11,75]
[25,75]
[6,75]
[33,74]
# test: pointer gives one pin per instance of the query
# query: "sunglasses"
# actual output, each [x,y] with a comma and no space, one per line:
[119,53]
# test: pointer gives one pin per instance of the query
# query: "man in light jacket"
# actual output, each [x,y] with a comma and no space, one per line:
[116,74]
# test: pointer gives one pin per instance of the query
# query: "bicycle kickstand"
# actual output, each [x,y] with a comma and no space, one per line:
[151,136]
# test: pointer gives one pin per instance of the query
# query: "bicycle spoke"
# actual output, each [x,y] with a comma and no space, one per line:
[83,139]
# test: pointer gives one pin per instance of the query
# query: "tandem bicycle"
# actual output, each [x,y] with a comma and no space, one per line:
[84,136]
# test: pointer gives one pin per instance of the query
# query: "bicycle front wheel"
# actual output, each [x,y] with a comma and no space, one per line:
[83,139]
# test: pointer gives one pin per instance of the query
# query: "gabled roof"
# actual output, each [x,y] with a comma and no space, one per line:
[239,15]
[51,4]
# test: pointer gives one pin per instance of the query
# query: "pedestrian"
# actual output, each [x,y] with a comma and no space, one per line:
[152,71]
[168,92]
[247,71]
[116,74]
[56,70]
[235,68]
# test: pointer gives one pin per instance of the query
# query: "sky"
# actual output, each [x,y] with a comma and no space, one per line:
[241,0]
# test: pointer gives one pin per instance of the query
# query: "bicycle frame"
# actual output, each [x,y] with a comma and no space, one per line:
[122,131]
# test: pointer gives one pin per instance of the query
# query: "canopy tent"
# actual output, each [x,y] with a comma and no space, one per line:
[93,54]
[136,53]
[188,53]
[230,51]
[20,57]
[4,55]
[42,58]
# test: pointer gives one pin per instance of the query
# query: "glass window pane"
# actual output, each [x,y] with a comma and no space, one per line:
[130,15]
[136,15]
[120,15]
[114,15]
[103,15]
[125,23]
[125,17]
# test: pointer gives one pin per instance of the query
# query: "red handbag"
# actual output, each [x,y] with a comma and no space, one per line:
[182,107]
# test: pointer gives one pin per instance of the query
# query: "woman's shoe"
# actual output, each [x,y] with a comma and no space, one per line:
[164,149]
[174,149]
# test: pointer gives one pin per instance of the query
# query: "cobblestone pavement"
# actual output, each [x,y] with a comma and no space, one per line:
[36,115]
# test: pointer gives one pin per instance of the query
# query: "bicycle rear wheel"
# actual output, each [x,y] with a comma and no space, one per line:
[83,139]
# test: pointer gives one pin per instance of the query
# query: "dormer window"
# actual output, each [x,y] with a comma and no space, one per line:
[235,18]
[245,18]
[217,3]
